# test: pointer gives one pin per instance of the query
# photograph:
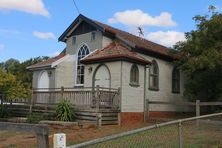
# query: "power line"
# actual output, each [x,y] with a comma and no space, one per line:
[76,6]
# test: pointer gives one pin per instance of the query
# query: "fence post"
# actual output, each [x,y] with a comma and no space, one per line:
[197,111]
[180,134]
[42,141]
[32,102]
[97,98]
[119,119]
[62,91]
[99,120]
[1,97]
[146,116]
[119,99]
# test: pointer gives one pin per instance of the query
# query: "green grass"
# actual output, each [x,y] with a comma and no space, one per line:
[204,137]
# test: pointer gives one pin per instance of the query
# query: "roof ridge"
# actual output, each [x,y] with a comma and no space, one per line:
[142,44]
[47,62]
[118,49]
[128,33]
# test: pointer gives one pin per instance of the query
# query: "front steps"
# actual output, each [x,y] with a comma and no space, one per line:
[109,117]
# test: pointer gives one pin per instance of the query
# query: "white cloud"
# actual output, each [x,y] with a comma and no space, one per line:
[167,38]
[44,35]
[28,6]
[218,8]
[140,18]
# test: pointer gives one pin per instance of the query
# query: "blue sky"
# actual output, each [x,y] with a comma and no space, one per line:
[31,30]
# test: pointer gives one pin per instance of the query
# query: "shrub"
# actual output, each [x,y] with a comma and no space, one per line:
[3,112]
[64,110]
[34,118]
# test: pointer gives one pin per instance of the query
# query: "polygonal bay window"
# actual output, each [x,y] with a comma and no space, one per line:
[83,51]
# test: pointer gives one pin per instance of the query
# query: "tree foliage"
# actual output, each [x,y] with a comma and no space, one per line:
[201,57]
[11,87]
[15,79]
[19,70]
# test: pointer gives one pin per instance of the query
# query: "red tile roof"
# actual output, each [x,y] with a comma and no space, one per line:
[142,45]
[46,62]
[138,41]
[113,51]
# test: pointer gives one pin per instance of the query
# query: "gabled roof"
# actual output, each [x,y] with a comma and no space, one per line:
[114,51]
[138,43]
[47,63]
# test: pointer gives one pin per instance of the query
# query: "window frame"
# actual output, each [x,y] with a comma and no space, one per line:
[153,75]
[176,79]
[81,73]
[93,36]
[135,82]
[73,40]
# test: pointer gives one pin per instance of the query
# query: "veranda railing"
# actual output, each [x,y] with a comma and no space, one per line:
[82,98]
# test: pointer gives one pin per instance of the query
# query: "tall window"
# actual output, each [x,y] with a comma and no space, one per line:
[134,75]
[93,36]
[154,76]
[83,51]
[73,40]
[176,80]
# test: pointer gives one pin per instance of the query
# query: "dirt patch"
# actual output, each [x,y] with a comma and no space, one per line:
[74,135]
[17,139]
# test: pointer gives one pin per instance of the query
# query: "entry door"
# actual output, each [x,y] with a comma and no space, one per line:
[102,77]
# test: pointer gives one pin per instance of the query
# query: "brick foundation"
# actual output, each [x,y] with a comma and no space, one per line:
[168,114]
[131,117]
[162,114]
[138,117]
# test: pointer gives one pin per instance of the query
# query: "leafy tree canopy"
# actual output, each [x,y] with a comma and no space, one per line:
[11,87]
[19,70]
[15,79]
[201,57]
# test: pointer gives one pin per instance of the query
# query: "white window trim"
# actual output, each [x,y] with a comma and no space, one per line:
[80,45]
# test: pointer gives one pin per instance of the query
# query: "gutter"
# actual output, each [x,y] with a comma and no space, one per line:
[39,67]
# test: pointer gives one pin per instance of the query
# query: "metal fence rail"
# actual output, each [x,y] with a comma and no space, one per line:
[202,131]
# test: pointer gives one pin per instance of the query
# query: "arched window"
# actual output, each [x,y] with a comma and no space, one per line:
[83,51]
[43,80]
[176,80]
[134,75]
[154,76]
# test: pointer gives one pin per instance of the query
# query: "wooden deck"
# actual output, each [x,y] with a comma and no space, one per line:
[88,102]
[82,98]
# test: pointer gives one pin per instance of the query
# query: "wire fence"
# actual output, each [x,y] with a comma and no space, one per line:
[202,131]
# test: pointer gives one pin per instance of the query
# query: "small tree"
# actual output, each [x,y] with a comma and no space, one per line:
[11,87]
[201,58]
[18,69]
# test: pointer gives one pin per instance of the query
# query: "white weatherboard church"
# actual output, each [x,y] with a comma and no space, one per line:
[98,54]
